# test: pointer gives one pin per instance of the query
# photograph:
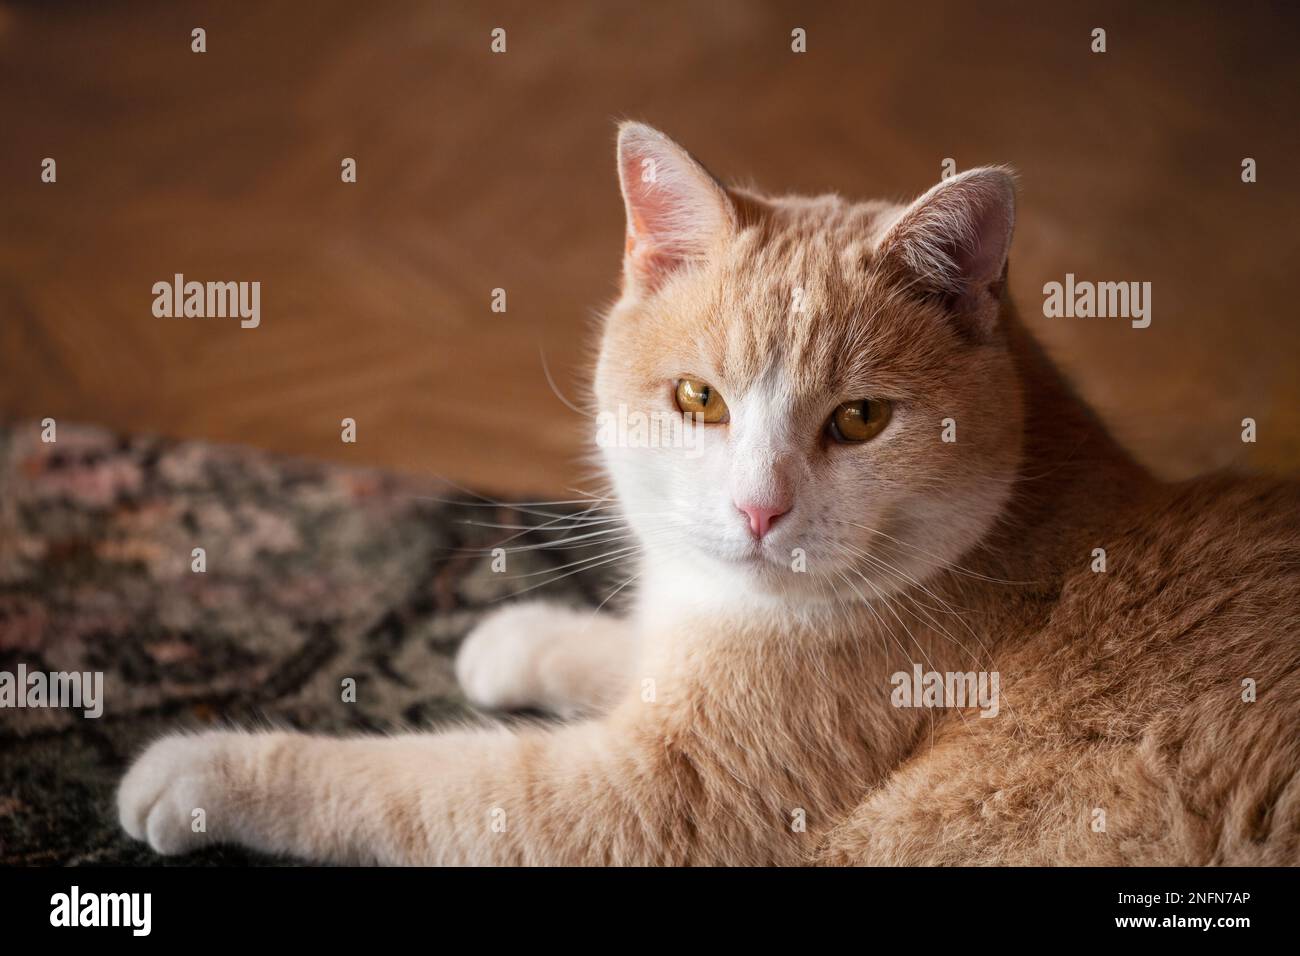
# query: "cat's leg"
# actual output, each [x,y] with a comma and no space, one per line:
[539,655]
[996,799]
[580,793]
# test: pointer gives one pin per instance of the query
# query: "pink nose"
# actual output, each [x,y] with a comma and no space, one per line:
[761,518]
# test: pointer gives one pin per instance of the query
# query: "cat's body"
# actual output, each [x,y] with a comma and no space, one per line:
[745,711]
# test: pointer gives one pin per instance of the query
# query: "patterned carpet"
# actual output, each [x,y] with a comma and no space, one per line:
[314,574]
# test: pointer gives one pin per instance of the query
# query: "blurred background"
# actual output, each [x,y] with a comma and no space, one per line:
[479,170]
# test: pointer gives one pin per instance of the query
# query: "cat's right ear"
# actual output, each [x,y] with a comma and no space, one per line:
[676,211]
[953,243]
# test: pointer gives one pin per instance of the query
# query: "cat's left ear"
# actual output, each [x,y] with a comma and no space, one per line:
[953,243]
[676,211]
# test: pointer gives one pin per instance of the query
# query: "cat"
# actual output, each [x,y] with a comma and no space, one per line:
[891,482]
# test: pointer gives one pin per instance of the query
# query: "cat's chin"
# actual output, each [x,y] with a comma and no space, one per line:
[753,557]
[742,561]
[806,581]
[771,571]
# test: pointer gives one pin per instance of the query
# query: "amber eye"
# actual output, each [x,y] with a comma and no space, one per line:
[858,421]
[696,398]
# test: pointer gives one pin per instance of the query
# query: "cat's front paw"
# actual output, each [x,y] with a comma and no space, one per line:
[543,656]
[171,790]
[497,665]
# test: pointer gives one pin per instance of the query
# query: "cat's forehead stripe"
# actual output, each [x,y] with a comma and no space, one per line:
[805,306]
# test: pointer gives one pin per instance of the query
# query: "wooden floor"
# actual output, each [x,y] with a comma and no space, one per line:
[479,171]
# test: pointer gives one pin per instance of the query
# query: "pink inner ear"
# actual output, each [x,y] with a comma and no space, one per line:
[672,219]
[641,220]
[652,250]
[654,247]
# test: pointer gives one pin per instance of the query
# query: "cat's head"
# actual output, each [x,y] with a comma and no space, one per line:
[861,416]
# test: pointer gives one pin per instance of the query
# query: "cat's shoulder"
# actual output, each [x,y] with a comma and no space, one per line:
[1222,548]
[1220,523]
[1224,501]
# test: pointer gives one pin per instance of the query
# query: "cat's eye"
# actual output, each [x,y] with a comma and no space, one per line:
[858,421]
[697,398]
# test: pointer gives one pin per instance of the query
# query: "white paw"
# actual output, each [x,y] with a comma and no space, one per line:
[175,777]
[544,656]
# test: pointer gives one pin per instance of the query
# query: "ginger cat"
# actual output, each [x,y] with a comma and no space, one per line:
[822,541]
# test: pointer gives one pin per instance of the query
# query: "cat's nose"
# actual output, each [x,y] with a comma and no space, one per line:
[761,517]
